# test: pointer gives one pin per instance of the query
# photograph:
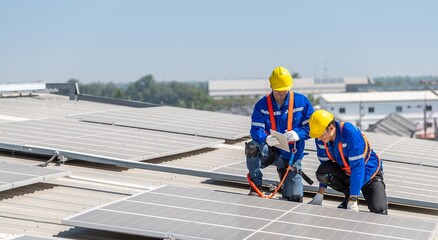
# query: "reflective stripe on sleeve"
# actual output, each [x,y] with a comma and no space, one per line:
[257,124]
[267,112]
[323,158]
[300,109]
[355,157]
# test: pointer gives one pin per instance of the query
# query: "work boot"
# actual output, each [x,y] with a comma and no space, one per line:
[344,202]
[252,192]
[295,199]
[384,212]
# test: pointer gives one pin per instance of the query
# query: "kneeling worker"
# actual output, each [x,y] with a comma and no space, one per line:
[348,164]
[287,112]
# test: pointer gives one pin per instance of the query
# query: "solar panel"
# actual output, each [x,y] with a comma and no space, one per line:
[83,141]
[405,184]
[46,106]
[172,212]
[408,150]
[15,175]
[173,119]
[399,149]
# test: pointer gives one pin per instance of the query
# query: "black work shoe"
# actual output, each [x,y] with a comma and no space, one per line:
[344,202]
[295,199]
[253,194]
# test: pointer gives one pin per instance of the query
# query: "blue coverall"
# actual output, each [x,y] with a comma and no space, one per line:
[260,129]
[362,175]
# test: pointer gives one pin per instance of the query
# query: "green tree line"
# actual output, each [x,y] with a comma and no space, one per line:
[146,89]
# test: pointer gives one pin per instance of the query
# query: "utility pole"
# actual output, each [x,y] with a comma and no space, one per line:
[424,119]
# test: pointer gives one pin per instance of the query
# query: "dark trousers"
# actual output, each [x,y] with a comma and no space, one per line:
[331,174]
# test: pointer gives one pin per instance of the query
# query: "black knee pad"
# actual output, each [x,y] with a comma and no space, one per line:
[295,199]
[251,150]
[333,182]
[324,178]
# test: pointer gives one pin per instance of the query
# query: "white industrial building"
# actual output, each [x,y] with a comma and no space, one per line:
[220,89]
[366,108]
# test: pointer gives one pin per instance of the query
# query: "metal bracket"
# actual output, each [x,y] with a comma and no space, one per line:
[55,156]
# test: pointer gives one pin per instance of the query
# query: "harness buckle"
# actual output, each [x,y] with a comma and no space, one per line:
[294,149]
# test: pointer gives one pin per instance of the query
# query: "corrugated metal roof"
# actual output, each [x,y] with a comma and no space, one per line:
[394,124]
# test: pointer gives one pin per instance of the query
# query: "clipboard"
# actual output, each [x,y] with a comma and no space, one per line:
[284,145]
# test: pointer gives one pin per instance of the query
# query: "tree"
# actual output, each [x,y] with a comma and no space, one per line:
[296,75]
[187,95]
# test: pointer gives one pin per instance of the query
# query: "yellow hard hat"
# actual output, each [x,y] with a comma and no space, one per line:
[280,79]
[319,122]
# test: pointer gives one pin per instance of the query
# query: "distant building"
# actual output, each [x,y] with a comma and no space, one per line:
[256,88]
[366,108]
[22,88]
[394,124]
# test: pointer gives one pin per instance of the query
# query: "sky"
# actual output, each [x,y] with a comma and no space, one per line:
[200,40]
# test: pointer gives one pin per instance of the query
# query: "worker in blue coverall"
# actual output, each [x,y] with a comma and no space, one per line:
[347,163]
[272,112]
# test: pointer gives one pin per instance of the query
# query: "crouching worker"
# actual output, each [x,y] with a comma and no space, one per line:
[348,164]
[286,112]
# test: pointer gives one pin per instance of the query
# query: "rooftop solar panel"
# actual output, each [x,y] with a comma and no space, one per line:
[185,213]
[15,175]
[405,184]
[399,149]
[402,149]
[46,106]
[83,141]
[173,119]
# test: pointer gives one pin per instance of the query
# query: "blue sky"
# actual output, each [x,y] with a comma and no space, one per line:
[121,41]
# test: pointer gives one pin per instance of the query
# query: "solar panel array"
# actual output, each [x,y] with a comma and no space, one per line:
[399,149]
[173,119]
[408,150]
[15,175]
[405,184]
[46,106]
[184,213]
[83,140]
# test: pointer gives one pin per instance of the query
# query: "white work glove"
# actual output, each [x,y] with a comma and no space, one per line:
[352,205]
[272,141]
[292,136]
[317,199]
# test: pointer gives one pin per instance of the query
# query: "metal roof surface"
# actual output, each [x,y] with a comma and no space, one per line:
[394,124]
[37,209]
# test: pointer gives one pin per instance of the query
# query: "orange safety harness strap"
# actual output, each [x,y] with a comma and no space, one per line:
[346,167]
[289,114]
[274,127]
